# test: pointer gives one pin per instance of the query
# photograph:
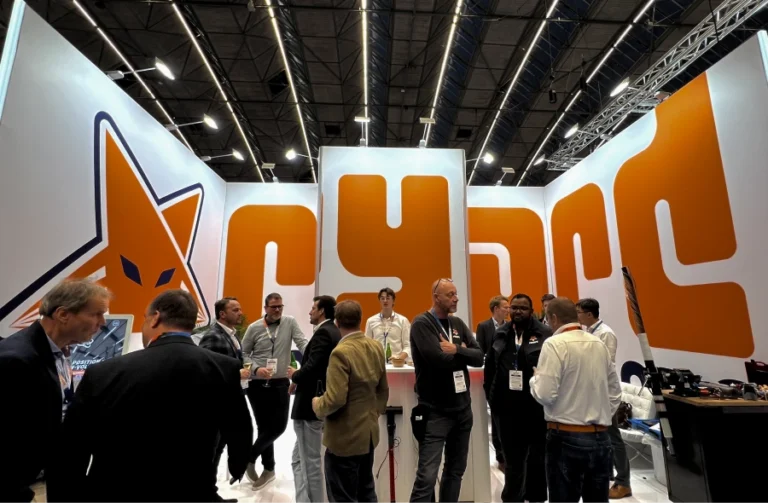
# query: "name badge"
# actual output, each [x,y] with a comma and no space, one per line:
[516,380]
[459,382]
[272,363]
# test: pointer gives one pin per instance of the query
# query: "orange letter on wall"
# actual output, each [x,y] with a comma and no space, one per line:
[293,228]
[683,167]
[583,213]
[527,256]
[417,252]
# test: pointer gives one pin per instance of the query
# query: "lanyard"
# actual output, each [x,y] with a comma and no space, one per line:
[271,338]
[389,326]
[518,338]
[447,334]
[592,330]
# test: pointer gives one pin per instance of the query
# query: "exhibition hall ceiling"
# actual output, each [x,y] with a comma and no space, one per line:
[322,41]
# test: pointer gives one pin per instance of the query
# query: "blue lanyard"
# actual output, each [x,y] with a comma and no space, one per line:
[449,334]
[592,330]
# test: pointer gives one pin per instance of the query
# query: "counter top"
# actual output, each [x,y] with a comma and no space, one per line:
[715,402]
[409,369]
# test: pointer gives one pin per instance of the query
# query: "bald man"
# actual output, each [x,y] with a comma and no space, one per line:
[442,346]
[577,385]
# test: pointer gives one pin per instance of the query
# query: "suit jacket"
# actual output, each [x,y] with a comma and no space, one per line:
[355,397]
[311,375]
[219,341]
[31,417]
[151,421]
[484,334]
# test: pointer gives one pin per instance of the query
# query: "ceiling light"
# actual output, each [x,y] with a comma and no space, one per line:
[274,179]
[268,165]
[362,119]
[488,158]
[571,131]
[539,160]
[208,120]
[508,170]
[290,155]
[552,96]
[427,120]
[623,85]
[163,68]
[237,155]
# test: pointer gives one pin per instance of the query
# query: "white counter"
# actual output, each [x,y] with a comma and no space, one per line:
[476,485]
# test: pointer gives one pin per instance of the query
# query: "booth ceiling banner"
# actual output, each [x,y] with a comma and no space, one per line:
[93,186]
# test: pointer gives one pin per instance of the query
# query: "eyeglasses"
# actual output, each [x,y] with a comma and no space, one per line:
[449,280]
[276,308]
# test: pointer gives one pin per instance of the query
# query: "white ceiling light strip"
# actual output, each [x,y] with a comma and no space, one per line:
[448,47]
[127,63]
[365,67]
[221,89]
[589,79]
[512,83]
[293,88]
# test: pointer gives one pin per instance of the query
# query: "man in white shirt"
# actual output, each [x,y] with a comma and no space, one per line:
[391,328]
[588,311]
[577,385]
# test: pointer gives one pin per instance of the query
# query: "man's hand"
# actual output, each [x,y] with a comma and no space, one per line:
[315,404]
[447,347]
[245,374]
[403,355]
[292,388]
[463,345]
[290,372]
[264,372]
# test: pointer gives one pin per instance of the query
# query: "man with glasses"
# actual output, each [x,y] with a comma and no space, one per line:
[267,346]
[518,418]
[442,347]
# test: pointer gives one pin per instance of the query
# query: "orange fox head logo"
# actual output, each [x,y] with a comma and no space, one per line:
[143,243]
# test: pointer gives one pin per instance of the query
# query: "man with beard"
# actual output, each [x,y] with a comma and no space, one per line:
[518,418]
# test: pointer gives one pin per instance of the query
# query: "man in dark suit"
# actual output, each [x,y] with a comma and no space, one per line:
[151,418]
[485,331]
[308,382]
[221,338]
[36,382]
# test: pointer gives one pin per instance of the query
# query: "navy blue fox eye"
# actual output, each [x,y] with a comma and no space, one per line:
[165,277]
[131,270]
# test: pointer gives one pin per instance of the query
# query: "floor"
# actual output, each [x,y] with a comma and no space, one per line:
[645,487]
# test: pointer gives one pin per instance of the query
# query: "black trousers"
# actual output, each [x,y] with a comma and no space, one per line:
[350,478]
[523,438]
[496,443]
[217,458]
[270,408]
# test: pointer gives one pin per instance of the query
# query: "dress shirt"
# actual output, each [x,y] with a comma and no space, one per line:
[398,337]
[497,324]
[605,334]
[576,380]
[262,342]
[231,333]
[314,329]
[64,370]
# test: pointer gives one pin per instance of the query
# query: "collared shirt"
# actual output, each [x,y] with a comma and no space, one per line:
[231,333]
[314,329]
[395,331]
[605,334]
[261,343]
[64,370]
[576,381]
[497,324]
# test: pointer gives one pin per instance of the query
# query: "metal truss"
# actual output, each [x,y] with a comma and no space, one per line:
[725,18]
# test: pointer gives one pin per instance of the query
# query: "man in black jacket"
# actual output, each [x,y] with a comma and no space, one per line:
[36,383]
[518,418]
[485,331]
[309,382]
[442,347]
[151,419]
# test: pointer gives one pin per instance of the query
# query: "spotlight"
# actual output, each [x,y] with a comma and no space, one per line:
[290,155]
[623,85]
[571,131]
[552,96]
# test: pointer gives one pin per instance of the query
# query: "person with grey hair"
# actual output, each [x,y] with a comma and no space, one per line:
[36,380]
[154,416]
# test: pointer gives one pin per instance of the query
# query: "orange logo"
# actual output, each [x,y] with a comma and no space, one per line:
[251,228]
[145,245]
[417,252]
[683,167]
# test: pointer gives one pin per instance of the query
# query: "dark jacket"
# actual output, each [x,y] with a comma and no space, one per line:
[217,340]
[151,420]
[31,418]
[484,334]
[434,369]
[311,375]
[503,356]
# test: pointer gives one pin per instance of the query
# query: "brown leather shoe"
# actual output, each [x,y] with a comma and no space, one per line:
[617,492]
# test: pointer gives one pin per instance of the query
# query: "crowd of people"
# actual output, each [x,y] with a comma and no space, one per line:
[152,425]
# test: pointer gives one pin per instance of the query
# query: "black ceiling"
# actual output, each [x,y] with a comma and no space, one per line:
[407,39]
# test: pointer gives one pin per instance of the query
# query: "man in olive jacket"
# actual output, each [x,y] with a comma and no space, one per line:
[356,395]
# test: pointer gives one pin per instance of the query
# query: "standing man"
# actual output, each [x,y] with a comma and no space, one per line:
[442,347]
[308,382]
[576,382]
[356,396]
[221,338]
[588,311]
[36,382]
[150,417]
[391,328]
[267,345]
[484,334]
[545,300]
[518,418]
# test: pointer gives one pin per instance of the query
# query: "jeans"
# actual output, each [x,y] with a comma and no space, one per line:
[270,408]
[578,465]
[307,463]
[350,478]
[523,436]
[449,430]
[620,459]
